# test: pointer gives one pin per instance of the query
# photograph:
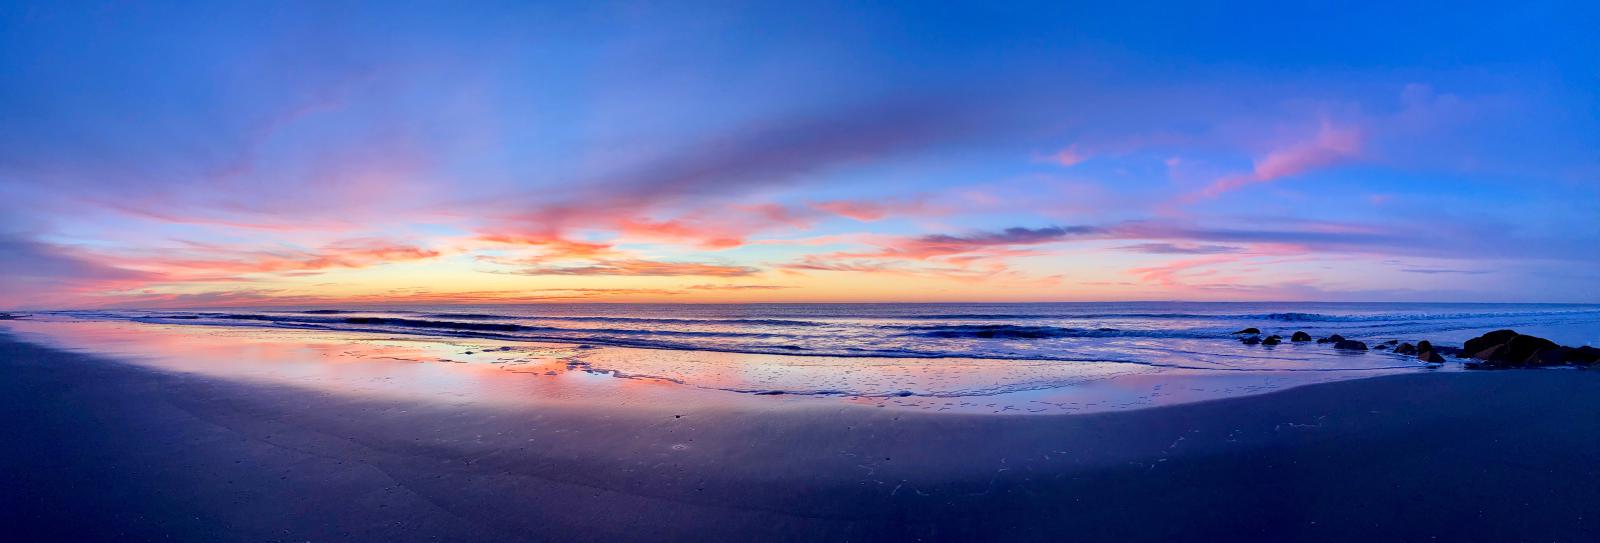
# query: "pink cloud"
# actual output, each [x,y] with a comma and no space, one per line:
[624,267]
[34,273]
[861,211]
[1332,145]
[215,263]
[1069,156]
[868,211]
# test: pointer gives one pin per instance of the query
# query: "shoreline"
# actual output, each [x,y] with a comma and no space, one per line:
[522,372]
[183,455]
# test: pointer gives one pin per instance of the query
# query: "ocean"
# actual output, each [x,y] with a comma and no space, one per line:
[1193,335]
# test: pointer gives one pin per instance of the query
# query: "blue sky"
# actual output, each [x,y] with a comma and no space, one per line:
[293,153]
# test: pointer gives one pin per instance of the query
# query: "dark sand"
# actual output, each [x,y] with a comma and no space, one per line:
[96,450]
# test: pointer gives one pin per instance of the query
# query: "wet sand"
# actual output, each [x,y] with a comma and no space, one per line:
[99,449]
[542,374]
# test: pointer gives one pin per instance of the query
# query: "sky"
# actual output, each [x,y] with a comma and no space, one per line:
[279,153]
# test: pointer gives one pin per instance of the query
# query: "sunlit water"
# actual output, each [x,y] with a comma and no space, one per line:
[1030,358]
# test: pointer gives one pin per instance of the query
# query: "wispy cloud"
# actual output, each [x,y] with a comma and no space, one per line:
[1436,271]
[1179,249]
[826,264]
[1331,146]
[877,210]
[711,286]
[202,262]
[649,198]
[1069,156]
[943,245]
[34,273]
[637,268]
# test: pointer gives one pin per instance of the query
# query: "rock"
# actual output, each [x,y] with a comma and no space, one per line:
[1273,340]
[1405,348]
[1248,331]
[1423,346]
[1522,348]
[1583,356]
[1252,340]
[1331,339]
[1350,345]
[1300,336]
[1487,354]
[1380,347]
[1430,357]
[1478,344]
[9,317]
[1392,342]
[1507,348]
[1549,357]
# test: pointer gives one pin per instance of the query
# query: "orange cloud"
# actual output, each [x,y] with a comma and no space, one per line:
[709,286]
[552,246]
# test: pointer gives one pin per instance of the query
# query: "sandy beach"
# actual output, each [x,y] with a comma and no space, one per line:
[104,449]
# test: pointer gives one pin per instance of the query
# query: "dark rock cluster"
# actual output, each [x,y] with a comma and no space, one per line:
[1497,349]
[1508,349]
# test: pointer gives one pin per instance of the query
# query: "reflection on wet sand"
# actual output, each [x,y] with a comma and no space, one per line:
[483,371]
